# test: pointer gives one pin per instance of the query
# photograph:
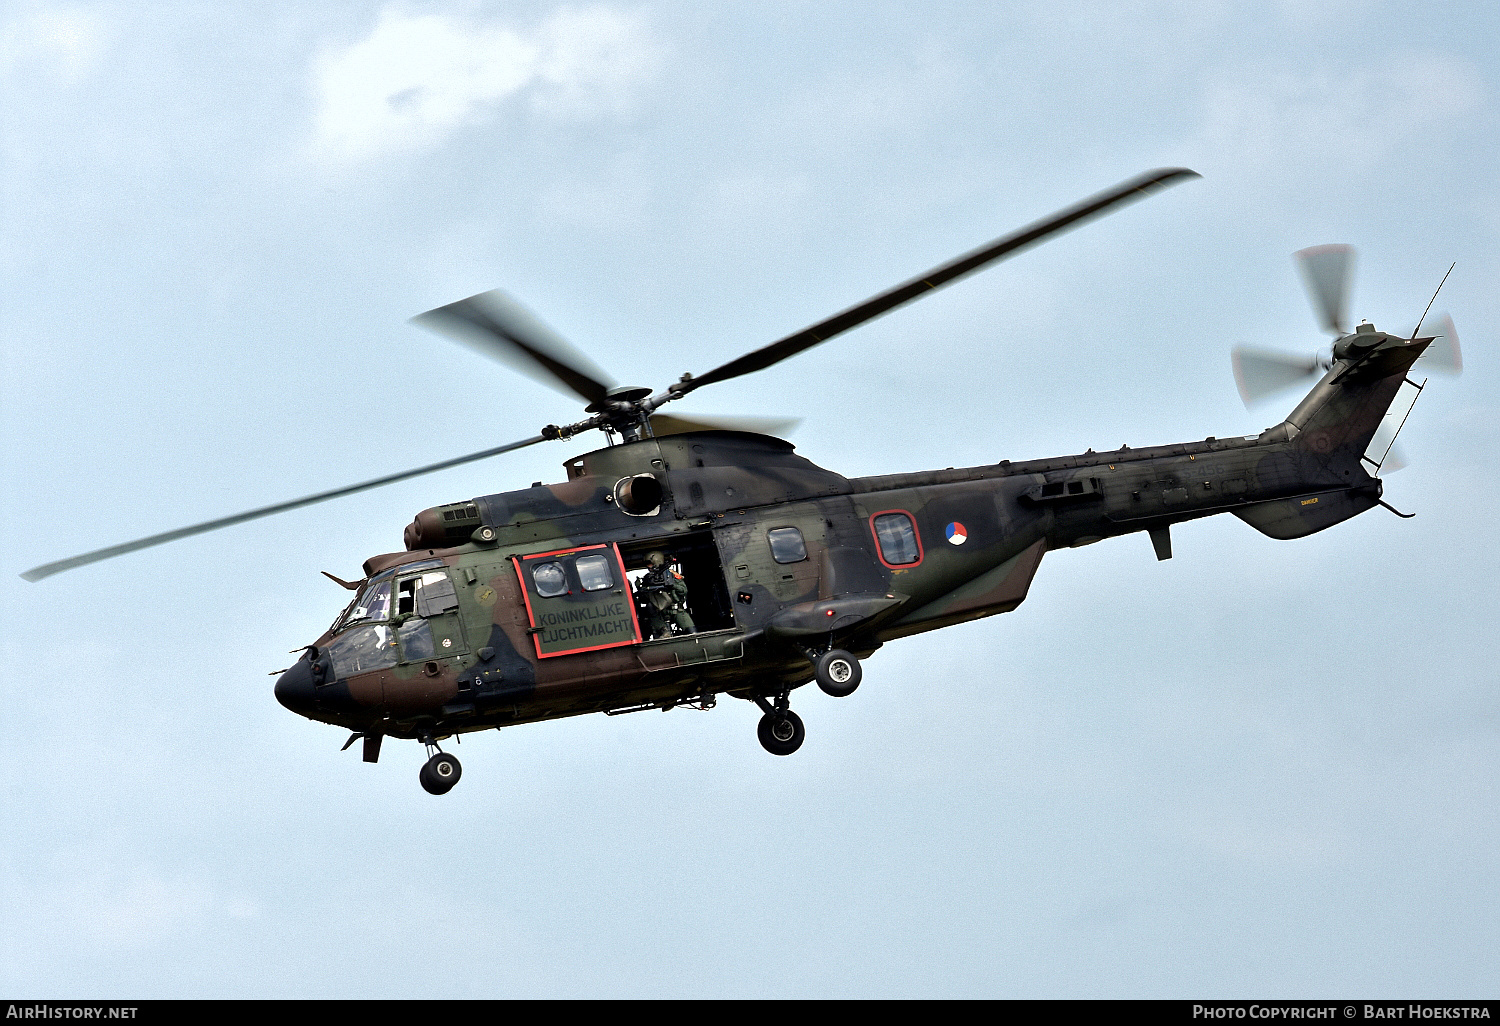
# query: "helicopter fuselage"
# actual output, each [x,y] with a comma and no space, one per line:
[693,561]
[519,606]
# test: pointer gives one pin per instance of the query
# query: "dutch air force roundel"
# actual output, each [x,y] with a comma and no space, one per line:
[957,533]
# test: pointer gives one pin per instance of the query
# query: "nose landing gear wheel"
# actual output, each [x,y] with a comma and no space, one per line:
[837,673]
[781,733]
[440,773]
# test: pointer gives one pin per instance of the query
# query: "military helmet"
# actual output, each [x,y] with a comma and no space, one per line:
[656,559]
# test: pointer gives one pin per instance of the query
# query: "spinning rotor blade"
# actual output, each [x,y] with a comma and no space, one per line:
[495,325]
[1259,373]
[48,569]
[1442,355]
[1327,272]
[668,424]
[1095,206]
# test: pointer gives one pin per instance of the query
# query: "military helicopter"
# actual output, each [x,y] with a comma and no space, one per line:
[696,557]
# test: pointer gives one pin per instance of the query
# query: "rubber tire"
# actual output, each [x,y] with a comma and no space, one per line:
[779,746]
[837,673]
[440,773]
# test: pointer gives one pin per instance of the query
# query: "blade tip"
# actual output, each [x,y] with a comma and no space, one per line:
[1169,175]
[1329,247]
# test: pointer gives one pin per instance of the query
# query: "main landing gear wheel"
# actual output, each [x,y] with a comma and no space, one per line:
[440,773]
[837,673]
[781,733]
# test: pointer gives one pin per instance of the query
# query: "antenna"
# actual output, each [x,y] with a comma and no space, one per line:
[1417,330]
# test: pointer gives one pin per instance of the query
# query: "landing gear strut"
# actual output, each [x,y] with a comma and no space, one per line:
[440,772]
[780,730]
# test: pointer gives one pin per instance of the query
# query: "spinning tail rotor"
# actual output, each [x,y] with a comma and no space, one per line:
[1327,273]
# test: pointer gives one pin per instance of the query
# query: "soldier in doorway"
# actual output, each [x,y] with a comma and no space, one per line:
[662,595]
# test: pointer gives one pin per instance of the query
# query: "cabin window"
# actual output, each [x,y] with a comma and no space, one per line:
[897,536]
[593,573]
[787,545]
[550,579]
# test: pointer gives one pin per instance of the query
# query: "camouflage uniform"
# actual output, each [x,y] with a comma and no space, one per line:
[662,594]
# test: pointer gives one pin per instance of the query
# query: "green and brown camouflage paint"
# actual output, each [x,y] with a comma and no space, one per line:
[721,492]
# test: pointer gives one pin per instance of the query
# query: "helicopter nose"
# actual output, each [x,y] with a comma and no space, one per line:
[294,689]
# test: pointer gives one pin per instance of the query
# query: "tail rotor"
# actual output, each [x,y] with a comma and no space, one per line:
[1327,273]
[1443,355]
[1262,373]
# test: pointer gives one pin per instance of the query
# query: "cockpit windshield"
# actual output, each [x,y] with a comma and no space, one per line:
[366,639]
[373,603]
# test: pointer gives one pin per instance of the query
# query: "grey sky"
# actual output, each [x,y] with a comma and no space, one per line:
[1259,768]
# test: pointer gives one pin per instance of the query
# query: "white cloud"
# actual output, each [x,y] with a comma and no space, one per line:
[64,44]
[1265,118]
[1297,844]
[108,905]
[417,79]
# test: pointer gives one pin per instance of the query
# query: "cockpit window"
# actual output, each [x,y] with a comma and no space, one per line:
[363,650]
[416,640]
[373,604]
[428,595]
[550,579]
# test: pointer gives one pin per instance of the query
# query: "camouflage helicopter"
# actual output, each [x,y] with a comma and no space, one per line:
[694,557]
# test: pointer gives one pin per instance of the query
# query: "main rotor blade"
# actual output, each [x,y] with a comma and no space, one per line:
[48,569]
[1327,272]
[1259,373]
[1038,231]
[670,424]
[495,325]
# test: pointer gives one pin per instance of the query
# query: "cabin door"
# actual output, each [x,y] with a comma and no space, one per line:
[577,600]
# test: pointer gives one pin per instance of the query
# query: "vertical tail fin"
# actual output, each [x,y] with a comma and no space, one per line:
[1341,415]
[1322,472]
